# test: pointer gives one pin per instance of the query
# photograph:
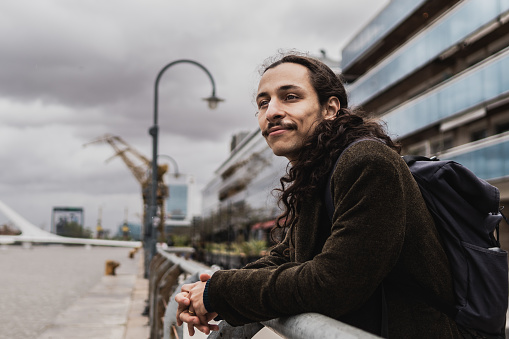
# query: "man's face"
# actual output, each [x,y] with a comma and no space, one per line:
[288,108]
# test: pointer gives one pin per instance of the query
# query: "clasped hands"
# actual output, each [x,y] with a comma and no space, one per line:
[191,309]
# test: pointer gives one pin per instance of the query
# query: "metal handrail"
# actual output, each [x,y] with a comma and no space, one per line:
[314,325]
[302,326]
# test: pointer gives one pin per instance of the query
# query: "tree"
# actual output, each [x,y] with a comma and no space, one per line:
[74,230]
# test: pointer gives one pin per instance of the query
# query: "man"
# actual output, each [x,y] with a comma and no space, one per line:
[351,268]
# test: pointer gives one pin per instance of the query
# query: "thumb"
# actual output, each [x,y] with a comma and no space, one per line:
[204,277]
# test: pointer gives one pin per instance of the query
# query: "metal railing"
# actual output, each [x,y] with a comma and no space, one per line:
[302,326]
[169,271]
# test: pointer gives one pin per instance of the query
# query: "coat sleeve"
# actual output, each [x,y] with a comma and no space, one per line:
[365,241]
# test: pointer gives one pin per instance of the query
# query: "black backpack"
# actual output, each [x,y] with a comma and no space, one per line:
[467,213]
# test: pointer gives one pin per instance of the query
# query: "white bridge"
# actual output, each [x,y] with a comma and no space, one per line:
[33,234]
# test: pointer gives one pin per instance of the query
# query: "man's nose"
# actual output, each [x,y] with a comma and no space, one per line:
[274,111]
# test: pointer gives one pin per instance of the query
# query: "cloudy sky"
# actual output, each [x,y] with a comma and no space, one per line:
[73,71]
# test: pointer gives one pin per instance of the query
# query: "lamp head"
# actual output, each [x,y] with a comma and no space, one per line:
[213,101]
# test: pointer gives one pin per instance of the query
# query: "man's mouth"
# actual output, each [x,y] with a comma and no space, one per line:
[278,128]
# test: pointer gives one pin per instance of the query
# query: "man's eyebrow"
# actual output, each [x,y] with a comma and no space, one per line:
[288,87]
[280,89]
[261,95]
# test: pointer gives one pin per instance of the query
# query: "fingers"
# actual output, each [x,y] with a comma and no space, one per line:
[189,318]
[204,277]
[185,317]
[194,322]
[198,322]
[203,320]
[190,329]
[183,304]
[182,298]
[206,327]
[186,287]
[213,327]
[209,317]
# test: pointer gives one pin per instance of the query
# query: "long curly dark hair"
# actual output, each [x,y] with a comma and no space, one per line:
[320,151]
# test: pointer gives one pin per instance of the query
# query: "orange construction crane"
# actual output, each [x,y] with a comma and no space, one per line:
[140,167]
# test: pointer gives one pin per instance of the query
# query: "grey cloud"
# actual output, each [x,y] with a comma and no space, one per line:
[71,71]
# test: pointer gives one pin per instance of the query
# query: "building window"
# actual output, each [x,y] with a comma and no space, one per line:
[176,205]
[421,148]
[442,143]
[501,128]
[478,135]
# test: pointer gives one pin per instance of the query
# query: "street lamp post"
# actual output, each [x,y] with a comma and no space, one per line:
[150,229]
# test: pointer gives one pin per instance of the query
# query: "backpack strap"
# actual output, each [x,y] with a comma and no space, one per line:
[329,204]
[503,216]
[497,228]
[410,159]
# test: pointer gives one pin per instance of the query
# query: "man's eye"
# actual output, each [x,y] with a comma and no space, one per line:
[291,97]
[263,103]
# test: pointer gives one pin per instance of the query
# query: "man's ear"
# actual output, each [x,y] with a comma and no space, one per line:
[332,106]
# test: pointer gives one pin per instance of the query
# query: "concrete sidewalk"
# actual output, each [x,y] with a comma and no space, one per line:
[110,310]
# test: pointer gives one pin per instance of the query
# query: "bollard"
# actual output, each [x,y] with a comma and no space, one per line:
[110,267]
[133,252]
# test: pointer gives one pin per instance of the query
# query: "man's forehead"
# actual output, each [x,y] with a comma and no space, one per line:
[283,77]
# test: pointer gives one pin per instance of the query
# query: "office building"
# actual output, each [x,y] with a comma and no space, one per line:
[179,208]
[436,71]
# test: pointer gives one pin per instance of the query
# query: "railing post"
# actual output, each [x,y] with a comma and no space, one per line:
[164,289]
[156,273]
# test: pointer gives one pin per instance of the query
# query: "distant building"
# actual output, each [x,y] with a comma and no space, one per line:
[180,209]
[176,204]
[237,139]
[436,71]
[65,220]
[239,196]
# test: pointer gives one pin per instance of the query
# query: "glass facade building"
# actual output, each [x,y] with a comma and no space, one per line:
[440,84]
[435,71]
[180,211]
[469,90]
[176,204]
[438,38]
[389,18]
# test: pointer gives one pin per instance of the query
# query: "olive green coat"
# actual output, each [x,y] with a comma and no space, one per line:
[381,231]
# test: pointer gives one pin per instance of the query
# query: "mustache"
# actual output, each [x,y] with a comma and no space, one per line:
[282,124]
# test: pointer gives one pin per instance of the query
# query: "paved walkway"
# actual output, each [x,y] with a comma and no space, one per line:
[110,310]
